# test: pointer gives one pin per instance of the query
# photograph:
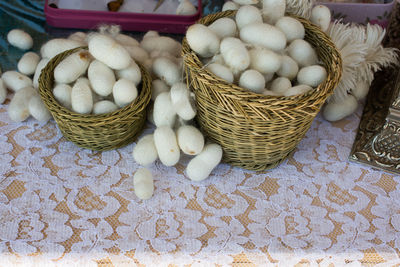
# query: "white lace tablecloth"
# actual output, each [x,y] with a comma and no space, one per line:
[61,205]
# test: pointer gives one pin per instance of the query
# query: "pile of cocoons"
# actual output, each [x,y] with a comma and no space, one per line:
[171,112]
[26,100]
[260,49]
[105,77]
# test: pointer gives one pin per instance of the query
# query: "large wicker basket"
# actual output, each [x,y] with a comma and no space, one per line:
[258,132]
[96,132]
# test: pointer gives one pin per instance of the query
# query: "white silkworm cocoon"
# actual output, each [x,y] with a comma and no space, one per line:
[3,91]
[15,81]
[72,67]
[335,111]
[132,73]
[28,63]
[291,27]
[272,10]
[156,53]
[101,77]
[280,85]
[311,75]
[58,45]
[143,184]
[201,166]
[265,35]
[264,60]
[161,43]
[126,40]
[110,52]
[185,7]
[157,87]
[124,92]
[230,5]
[37,109]
[360,91]
[224,27]
[145,151]
[190,140]
[321,16]
[18,109]
[302,52]
[221,71]
[151,34]
[218,58]
[178,93]
[81,97]
[167,70]
[181,101]
[187,110]
[235,54]
[289,68]
[137,53]
[202,40]
[84,80]
[40,66]
[163,111]
[62,93]
[246,15]
[20,39]
[252,80]
[246,2]
[104,106]
[166,145]
[297,90]
[78,36]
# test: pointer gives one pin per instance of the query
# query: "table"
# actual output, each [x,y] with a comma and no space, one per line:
[61,205]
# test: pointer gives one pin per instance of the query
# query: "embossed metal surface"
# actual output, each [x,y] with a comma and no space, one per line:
[377,142]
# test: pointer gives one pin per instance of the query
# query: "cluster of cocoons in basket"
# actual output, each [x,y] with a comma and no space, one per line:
[260,49]
[99,80]
[105,77]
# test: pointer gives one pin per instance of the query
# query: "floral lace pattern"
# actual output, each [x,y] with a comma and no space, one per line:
[64,205]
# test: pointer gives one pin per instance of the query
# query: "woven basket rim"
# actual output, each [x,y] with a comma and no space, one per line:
[255,98]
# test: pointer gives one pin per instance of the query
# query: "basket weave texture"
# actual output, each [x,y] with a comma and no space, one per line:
[258,132]
[96,132]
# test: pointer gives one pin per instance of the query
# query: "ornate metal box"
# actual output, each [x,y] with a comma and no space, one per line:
[378,139]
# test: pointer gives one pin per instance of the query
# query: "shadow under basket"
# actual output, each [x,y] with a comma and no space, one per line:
[258,132]
[97,132]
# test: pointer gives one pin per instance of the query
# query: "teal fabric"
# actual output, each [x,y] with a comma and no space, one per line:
[23,14]
[212,6]
[29,16]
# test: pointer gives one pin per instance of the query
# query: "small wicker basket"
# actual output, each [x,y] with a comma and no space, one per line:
[96,132]
[258,132]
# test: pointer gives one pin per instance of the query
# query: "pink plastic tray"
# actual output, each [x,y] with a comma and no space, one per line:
[361,13]
[142,22]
